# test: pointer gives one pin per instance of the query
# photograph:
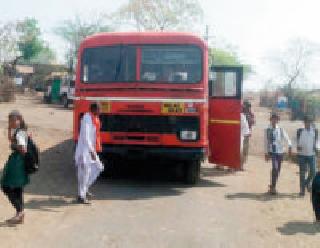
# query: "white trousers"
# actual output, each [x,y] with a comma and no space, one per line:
[87,175]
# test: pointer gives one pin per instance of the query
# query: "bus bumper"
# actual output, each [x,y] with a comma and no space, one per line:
[147,152]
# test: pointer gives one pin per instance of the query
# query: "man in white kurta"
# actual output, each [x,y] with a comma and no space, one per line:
[86,158]
[245,131]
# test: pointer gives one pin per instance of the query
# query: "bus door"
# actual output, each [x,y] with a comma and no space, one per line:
[225,91]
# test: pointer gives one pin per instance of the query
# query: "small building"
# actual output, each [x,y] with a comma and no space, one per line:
[23,74]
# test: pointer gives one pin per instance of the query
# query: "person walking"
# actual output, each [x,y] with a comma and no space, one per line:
[244,133]
[247,111]
[89,145]
[275,139]
[307,147]
[15,177]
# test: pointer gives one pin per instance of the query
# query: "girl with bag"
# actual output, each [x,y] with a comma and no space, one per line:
[15,177]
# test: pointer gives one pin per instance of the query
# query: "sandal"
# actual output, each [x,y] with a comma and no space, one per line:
[272,190]
[19,219]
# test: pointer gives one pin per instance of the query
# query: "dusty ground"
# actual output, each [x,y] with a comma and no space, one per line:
[224,210]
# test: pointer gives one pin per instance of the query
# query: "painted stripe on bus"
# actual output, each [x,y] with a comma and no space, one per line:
[230,122]
[131,99]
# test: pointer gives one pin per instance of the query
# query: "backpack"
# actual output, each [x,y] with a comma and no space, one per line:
[31,157]
[299,131]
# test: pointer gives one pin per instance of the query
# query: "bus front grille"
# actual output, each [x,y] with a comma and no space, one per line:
[148,124]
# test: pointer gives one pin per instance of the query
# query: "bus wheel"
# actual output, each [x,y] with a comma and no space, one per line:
[192,172]
[108,167]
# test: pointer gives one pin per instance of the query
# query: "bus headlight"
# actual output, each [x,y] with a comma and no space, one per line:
[188,135]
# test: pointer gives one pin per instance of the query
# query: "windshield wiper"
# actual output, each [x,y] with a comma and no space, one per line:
[118,68]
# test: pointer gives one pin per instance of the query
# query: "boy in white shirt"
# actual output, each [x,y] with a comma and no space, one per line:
[307,146]
[275,137]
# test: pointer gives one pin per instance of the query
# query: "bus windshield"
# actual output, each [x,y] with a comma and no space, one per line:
[159,64]
[109,64]
[171,64]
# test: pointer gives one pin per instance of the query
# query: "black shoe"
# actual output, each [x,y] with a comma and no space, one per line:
[83,201]
[302,194]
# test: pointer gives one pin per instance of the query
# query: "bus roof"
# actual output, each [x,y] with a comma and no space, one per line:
[113,38]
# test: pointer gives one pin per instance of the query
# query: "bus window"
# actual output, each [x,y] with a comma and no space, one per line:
[224,84]
[171,64]
[109,64]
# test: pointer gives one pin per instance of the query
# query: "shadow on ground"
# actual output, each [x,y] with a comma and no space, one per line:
[54,106]
[47,204]
[55,185]
[216,172]
[295,227]
[8,225]
[263,197]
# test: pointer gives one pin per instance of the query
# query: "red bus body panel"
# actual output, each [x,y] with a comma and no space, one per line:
[224,116]
[224,132]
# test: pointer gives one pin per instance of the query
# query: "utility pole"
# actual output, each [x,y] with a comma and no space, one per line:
[206,36]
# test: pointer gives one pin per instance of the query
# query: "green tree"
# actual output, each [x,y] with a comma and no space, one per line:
[45,56]
[21,41]
[30,43]
[73,31]
[223,57]
[229,58]
[157,15]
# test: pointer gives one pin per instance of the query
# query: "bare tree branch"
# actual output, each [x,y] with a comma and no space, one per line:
[161,14]
[293,62]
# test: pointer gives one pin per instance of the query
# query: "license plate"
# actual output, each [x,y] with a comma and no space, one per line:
[105,107]
[168,108]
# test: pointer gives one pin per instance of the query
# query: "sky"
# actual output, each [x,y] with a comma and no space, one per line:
[255,28]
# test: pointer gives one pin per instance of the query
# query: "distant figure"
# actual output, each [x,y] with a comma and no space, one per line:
[244,134]
[282,102]
[86,156]
[246,108]
[307,146]
[315,196]
[15,177]
[275,137]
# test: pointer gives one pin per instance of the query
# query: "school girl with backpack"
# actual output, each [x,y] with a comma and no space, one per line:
[16,171]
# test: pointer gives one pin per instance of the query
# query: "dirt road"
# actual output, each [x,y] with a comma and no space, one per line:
[224,210]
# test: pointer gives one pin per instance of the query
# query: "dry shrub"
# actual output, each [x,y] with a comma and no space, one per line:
[7,89]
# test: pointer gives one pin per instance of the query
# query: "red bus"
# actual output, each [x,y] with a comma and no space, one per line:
[154,95]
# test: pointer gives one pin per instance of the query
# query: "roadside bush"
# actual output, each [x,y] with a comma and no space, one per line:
[7,89]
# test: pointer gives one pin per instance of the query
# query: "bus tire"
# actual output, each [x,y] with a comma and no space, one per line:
[192,172]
